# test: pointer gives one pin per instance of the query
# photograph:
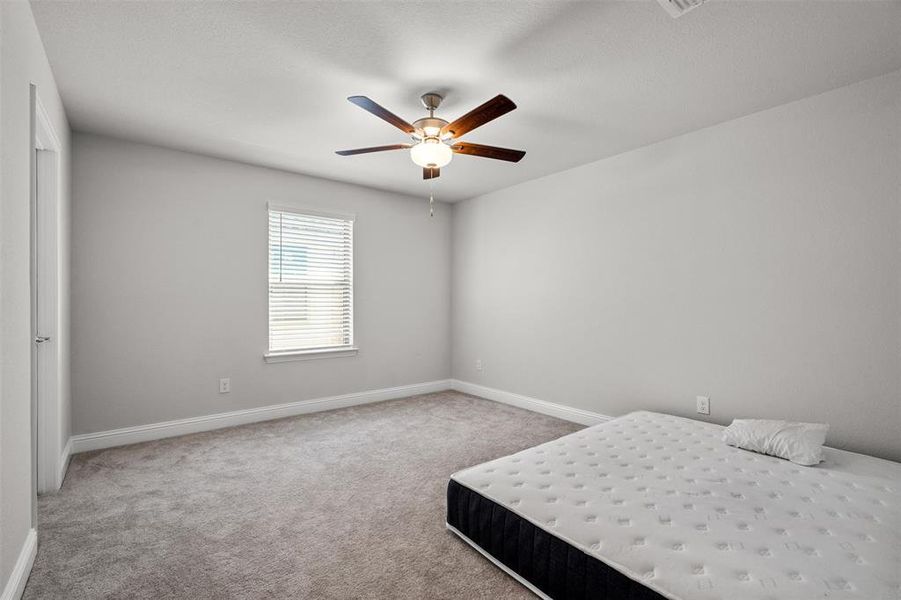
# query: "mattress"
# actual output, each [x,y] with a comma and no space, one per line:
[655,506]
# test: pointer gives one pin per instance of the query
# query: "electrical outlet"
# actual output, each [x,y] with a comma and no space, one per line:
[703,405]
[478,364]
[225,385]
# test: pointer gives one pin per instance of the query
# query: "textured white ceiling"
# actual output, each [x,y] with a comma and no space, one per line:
[266,82]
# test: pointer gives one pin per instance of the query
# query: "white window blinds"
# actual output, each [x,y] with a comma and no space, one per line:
[310,281]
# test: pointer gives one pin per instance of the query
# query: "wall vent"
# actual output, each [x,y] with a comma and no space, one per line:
[677,8]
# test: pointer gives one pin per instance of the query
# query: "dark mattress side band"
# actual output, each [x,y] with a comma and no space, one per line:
[547,562]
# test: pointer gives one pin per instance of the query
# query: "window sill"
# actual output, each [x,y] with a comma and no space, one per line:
[277,357]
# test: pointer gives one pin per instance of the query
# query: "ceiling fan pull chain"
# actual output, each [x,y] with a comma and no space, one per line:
[431,197]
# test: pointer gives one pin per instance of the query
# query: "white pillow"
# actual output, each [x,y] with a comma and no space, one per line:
[801,443]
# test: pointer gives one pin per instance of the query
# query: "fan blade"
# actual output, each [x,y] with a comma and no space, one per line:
[494,108]
[373,149]
[382,113]
[489,151]
[430,172]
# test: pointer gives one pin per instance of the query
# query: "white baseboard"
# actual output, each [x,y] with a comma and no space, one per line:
[22,569]
[64,459]
[156,431]
[567,413]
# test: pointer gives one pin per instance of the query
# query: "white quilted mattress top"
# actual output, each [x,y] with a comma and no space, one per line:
[664,501]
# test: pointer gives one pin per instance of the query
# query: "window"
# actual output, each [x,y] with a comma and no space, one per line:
[310,284]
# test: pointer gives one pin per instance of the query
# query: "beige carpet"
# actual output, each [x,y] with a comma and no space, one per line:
[342,504]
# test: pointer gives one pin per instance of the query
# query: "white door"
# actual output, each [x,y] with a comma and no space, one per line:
[41,337]
[45,240]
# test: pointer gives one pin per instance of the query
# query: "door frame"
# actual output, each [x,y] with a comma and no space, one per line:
[46,358]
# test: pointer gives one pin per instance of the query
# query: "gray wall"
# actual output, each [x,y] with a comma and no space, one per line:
[756,261]
[23,62]
[170,287]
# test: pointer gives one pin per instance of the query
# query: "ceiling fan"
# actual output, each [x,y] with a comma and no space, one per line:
[435,141]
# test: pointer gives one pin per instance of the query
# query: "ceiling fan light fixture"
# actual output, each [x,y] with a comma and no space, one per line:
[431,152]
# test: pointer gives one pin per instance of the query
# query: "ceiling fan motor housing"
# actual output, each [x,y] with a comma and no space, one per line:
[428,127]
